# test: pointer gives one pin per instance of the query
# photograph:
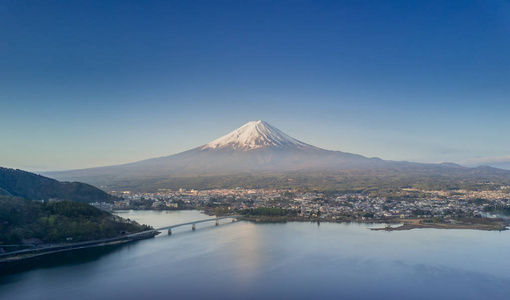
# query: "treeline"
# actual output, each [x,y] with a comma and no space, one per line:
[268,211]
[497,210]
[61,221]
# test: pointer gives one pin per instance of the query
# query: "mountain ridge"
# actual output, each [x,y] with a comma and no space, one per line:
[254,148]
[19,183]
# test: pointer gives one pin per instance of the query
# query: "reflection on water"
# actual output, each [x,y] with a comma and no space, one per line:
[74,257]
[247,255]
[275,261]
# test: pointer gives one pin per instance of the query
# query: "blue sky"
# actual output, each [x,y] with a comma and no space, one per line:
[92,83]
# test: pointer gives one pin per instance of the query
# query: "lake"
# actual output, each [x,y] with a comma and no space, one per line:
[296,260]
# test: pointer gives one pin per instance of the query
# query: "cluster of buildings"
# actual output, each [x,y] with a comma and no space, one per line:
[457,203]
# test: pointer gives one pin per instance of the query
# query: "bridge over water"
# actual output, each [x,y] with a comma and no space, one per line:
[33,252]
[154,232]
[193,224]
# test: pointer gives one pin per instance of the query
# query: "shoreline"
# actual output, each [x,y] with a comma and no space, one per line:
[11,261]
[484,224]
[407,224]
[12,258]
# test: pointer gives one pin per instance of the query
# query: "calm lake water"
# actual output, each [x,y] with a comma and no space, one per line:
[244,260]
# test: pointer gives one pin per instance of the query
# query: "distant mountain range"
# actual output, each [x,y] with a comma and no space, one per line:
[31,186]
[258,148]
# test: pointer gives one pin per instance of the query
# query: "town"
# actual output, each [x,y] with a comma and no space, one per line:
[404,204]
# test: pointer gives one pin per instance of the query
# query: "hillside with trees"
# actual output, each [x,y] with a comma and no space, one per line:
[55,222]
[28,185]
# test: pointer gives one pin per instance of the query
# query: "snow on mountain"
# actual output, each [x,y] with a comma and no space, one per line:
[253,135]
[255,148]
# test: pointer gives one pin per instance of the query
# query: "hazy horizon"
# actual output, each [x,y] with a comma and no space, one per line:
[95,84]
[230,136]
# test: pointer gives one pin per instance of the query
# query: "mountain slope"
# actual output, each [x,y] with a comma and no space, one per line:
[28,185]
[57,221]
[254,135]
[257,148]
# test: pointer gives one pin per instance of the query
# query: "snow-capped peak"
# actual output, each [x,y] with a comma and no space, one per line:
[253,135]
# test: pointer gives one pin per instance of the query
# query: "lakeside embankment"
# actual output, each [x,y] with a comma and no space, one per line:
[481,224]
[11,258]
[407,224]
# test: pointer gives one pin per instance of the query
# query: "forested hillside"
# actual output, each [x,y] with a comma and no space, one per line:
[28,185]
[58,221]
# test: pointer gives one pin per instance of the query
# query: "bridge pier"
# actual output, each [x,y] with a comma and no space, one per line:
[194,223]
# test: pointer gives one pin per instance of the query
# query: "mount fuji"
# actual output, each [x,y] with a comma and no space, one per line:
[255,135]
[255,148]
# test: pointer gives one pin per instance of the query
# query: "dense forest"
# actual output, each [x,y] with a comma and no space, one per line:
[28,185]
[61,221]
